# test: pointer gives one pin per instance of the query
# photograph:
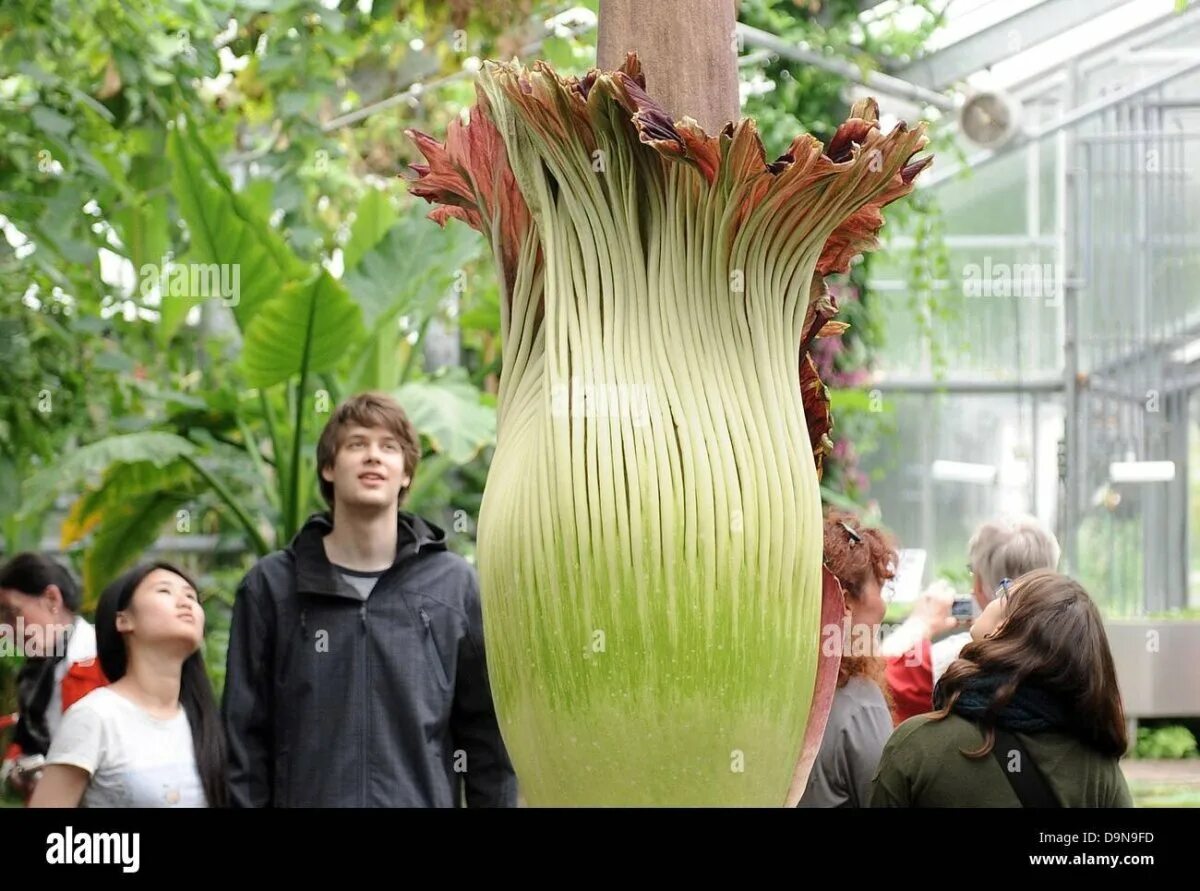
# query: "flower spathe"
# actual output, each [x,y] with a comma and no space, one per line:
[650,538]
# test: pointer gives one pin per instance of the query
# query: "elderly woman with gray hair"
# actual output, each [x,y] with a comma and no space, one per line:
[1003,548]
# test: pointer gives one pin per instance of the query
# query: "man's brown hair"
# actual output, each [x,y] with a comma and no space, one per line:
[373,409]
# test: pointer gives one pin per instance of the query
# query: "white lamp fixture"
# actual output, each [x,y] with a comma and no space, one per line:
[1188,353]
[1141,471]
[964,472]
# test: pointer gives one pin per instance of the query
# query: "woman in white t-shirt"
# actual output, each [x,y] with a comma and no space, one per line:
[153,737]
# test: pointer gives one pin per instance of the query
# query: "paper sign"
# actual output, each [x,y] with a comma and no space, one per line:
[910,570]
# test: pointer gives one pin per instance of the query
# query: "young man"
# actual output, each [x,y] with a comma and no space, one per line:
[39,606]
[356,673]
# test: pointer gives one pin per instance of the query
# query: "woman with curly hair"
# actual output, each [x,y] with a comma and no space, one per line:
[1028,715]
[860,719]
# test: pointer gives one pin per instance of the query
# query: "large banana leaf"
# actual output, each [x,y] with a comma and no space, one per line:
[74,472]
[121,485]
[227,229]
[128,530]
[127,512]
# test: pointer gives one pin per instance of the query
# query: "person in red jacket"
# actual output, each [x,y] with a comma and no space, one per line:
[39,608]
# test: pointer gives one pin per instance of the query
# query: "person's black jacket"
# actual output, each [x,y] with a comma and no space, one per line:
[332,701]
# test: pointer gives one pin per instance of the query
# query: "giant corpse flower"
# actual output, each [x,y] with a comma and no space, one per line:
[649,544]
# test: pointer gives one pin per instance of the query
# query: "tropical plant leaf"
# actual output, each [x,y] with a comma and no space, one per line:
[121,485]
[410,269]
[452,415]
[372,220]
[226,230]
[128,531]
[307,328]
[77,470]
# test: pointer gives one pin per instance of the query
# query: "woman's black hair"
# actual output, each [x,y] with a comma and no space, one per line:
[31,573]
[195,691]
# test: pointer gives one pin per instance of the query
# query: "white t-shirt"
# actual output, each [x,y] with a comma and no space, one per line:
[134,758]
[81,647]
[945,651]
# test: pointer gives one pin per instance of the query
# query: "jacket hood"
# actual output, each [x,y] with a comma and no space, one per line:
[314,572]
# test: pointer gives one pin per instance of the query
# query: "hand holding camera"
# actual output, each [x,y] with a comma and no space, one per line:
[937,609]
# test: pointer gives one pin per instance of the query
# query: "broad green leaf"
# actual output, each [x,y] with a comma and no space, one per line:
[294,102]
[173,311]
[259,192]
[379,365]
[90,103]
[411,268]
[88,162]
[143,223]
[429,492]
[143,231]
[123,483]
[39,74]
[128,531]
[226,230]
[57,229]
[210,410]
[309,327]
[451,415]
[79,468]
[374,217]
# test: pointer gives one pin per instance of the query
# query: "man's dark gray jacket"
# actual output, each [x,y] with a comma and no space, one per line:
[333,701]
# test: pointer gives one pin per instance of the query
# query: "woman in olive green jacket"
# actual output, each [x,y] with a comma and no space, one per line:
[1030,713]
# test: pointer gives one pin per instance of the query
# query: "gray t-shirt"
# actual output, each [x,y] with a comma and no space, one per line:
[859,726]
[134,759]
[362,582]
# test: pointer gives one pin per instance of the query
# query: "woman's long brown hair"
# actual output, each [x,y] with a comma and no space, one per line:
[1052,636]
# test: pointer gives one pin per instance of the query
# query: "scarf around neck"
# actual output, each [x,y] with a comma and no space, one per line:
[1032,709]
